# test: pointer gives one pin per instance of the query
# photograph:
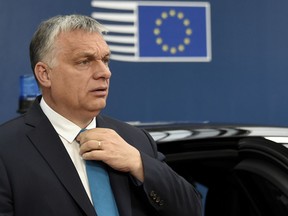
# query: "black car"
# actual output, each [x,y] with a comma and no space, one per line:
[239,170]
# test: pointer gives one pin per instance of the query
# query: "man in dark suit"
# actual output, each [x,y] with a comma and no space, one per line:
[42,154]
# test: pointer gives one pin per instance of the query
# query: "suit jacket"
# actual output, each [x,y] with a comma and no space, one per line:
[38,178]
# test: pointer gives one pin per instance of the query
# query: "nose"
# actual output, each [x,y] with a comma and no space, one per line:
[101,71]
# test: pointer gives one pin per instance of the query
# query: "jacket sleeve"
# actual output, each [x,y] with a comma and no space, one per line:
[6,205]
[169,193]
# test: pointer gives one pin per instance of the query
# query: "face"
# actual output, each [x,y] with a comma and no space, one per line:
[77,83]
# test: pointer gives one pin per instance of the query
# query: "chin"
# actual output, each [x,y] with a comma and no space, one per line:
[96,108]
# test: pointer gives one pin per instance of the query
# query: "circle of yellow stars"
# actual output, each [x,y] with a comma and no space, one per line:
[188,31]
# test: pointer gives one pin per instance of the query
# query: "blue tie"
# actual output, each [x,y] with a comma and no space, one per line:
[100,188]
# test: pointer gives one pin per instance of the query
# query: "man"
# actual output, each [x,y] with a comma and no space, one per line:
[42,154]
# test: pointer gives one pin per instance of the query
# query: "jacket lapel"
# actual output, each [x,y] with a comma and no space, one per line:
[119,181]
[46,140]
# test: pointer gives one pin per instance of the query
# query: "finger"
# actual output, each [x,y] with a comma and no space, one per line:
[86,135]
[91,145]
[99,134]
[93,155]
[81,135]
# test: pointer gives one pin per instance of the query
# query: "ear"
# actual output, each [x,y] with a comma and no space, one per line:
[42,73]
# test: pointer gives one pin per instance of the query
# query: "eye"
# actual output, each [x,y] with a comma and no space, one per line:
[84,62]
[106,61]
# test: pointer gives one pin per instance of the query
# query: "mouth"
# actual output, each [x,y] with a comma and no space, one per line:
[100,91]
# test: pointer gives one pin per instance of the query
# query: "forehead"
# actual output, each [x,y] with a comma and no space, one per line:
[78,41]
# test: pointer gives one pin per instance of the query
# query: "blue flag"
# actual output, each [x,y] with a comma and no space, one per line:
[156,31]
[172,31]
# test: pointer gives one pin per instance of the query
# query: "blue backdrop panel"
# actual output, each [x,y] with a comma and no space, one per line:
[246,81]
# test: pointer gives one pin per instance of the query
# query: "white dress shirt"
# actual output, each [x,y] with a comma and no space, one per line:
[68,132]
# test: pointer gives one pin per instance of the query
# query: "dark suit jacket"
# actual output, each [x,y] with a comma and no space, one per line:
[38,178]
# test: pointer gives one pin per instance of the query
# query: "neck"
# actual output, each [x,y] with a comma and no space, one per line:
[81,119]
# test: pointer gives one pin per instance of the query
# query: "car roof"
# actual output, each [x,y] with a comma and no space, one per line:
[177,131]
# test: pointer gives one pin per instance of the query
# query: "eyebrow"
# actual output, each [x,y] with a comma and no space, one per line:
[91,55]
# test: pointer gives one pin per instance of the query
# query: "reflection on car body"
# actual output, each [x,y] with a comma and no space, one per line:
[239,170]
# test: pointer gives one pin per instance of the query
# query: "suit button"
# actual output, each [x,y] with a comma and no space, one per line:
[155,197]
[152,193]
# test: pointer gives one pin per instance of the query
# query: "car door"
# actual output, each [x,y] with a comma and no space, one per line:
[235,176]
[263,174]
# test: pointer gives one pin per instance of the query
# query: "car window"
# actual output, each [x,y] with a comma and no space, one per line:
[229,192]
[221,191]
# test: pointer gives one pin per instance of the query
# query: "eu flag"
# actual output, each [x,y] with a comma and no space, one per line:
[171,31]
[156,30]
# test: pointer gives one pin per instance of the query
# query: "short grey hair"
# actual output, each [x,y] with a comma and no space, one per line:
[44,38]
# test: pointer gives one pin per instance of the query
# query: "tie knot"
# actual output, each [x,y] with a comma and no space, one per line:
[82,130]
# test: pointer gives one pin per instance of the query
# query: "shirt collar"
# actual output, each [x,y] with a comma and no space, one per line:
[65,128]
